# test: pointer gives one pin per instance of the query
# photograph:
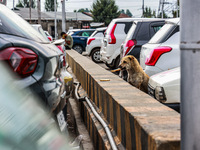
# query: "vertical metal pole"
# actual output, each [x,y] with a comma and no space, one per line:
[55,10]
[39,12]
[63,16]
[30,10]
[163,8]
[190,74]
[142,8]
[13,5]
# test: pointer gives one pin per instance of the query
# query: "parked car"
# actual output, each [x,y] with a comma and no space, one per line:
[94,44]
[139,34]
[165,86]
[38,28]
[80,39]
[34,59]
[113,38]
[162,52]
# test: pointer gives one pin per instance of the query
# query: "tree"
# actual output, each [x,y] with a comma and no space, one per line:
[122,11]
[129,13]
[148,13]
[49,5]
[82,10]
[104,11]
[25,3]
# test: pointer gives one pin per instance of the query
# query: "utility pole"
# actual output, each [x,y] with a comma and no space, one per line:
[39,11]
[55,21]
[190,73]
[142,8]
[63,16]
[30,2]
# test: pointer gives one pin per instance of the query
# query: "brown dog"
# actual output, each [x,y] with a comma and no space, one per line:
[136,76]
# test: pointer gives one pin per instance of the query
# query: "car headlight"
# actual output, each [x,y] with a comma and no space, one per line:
[160,94]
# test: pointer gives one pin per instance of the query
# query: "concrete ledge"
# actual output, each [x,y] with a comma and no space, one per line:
[139,121]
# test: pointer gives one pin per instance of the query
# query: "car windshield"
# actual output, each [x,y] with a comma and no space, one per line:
[11,23]
[162,34]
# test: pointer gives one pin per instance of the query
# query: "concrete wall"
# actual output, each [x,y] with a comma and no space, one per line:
[139,121]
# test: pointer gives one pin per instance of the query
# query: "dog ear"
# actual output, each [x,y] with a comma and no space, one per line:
[131,57]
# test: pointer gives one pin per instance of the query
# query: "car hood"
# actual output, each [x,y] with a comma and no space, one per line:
[166,78]
[47,49]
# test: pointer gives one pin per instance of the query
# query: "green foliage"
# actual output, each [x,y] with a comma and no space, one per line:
[49,5]
[104,11]
[83,10]
[148,13]
[127,12]
[164,15]
[25,3]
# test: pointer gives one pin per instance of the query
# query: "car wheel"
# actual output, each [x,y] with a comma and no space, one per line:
[78,48]
[95,55]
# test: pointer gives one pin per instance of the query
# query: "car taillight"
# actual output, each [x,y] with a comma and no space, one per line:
[155,55]
[22,60]
[129,45]
[90,40]
[50,39]
[112,39]
[60,48]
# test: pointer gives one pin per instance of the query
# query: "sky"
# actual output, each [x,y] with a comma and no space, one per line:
[135,6]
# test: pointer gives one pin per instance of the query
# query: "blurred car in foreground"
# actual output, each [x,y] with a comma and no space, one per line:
[94,44]
[34,59]
[165,86]
[24,123]
[162,52]
[80,39]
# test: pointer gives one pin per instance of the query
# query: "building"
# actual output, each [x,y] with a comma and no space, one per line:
[73,19]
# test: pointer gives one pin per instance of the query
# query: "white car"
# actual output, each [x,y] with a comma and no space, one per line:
[165,86]
[94,44]
[113,38]
[162,52]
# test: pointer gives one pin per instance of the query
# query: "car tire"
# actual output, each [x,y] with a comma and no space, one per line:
[78,48]
[109,66]
[95,55]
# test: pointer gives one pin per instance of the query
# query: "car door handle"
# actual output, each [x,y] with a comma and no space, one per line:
[82,38]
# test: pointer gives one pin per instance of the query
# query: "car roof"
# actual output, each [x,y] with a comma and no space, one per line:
[173,21]
[134,19]
[148,20]
[101,29]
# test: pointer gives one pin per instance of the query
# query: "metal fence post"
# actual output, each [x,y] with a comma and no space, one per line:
[190,74]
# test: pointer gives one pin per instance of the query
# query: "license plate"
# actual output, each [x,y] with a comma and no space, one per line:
[61,121]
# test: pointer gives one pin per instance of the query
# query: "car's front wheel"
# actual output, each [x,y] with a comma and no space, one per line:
[78,48]
[95,55]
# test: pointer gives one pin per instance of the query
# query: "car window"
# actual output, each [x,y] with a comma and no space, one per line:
[143,33]
[120,28]
[127,26]
[11,23]
[164,33]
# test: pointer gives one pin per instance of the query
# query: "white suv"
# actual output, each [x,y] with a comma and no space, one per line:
[94,44]
[113,38]
[162,52]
